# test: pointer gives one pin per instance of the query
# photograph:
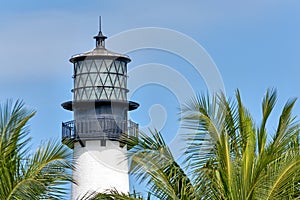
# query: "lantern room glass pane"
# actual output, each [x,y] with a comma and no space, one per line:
[83,78]
[88,82]
[93,77]
[103,77]
[88,92]
[93,94]
[121,69]
[113,68]
[117,93]
[94,67]
[108,92]
[96,79]
[99,64]
[108,81]
[78,94]
[103,95]
[113,79]
[78,67]
[118,64]
[122,81]
[113,95]
[117,81]
[99,92]
[83,94]
[84,67]
[102,67]
[124,68]
[107,64]
[77,82]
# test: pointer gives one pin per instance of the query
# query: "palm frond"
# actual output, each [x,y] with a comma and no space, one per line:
[29,176]
[111,194]
[229,156]
[152,162]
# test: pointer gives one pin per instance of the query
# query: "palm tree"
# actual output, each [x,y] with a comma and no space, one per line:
[240,161]
[24,174]
[229,155]
[112,194]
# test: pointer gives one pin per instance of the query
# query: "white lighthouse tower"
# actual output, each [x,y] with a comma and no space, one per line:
[100,109]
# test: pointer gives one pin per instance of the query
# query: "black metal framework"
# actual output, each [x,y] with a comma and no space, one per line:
[97,129]
[100,86]
[100,79]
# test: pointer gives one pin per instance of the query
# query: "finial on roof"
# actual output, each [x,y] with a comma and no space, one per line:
[100,37]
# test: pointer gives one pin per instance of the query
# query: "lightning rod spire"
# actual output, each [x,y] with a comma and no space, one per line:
[100,24]
[100,37]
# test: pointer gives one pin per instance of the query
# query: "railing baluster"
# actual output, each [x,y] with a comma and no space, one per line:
[101,128]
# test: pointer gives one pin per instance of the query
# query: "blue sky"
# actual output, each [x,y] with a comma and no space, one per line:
[255,45]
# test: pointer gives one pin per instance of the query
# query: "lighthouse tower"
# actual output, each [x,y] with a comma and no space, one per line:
[100,108]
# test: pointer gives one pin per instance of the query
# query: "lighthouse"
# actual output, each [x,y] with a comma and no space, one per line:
[100,108]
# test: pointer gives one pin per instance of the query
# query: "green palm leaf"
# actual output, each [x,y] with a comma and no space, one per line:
[230,156]
[25,175]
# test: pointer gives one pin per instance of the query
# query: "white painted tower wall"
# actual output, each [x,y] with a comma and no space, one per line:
[100,109]
[99,168]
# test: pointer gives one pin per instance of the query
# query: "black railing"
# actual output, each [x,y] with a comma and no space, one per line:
[97,129]
[68,130]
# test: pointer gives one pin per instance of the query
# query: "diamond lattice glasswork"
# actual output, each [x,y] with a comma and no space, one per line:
[100,79]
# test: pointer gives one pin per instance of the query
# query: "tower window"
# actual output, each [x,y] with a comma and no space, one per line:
[102,143]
